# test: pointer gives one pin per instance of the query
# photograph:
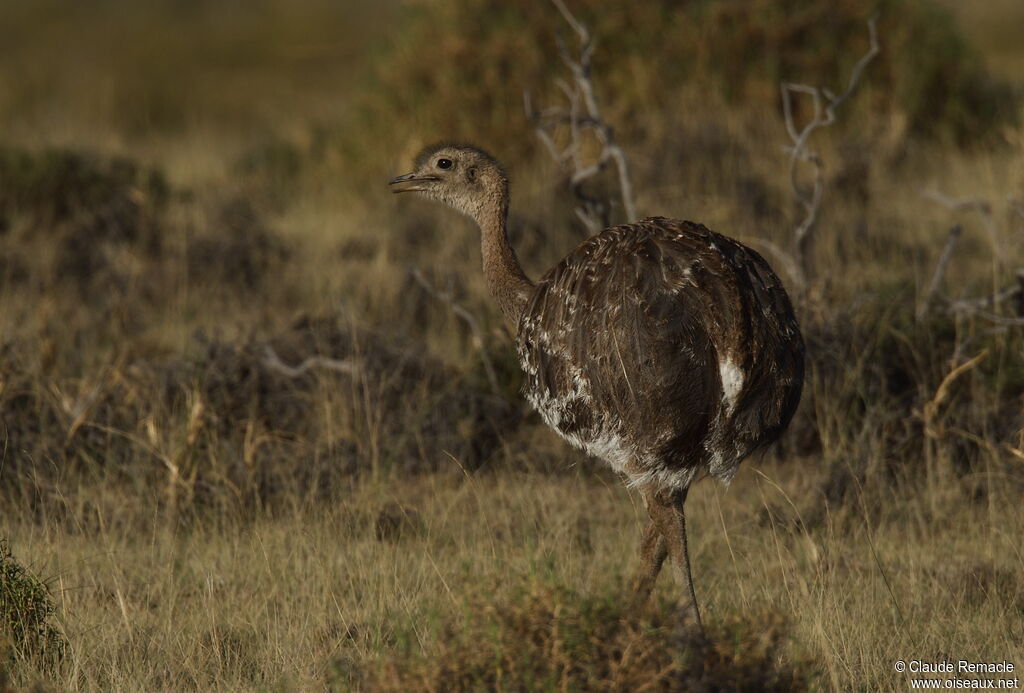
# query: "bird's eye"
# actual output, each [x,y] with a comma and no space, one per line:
[444,163]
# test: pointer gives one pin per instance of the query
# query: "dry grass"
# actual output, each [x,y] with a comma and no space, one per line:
[314,597]
[385,519]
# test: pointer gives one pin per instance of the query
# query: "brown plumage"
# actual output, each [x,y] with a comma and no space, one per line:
[663,348]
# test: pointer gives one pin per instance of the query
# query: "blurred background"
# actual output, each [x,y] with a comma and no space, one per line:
[214,313]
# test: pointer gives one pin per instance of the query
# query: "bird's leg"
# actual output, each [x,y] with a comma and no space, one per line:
[666,511]
[653,551]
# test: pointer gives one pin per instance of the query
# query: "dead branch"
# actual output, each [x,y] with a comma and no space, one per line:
[968,305]
[940,271]
[1020,291]
[978,336]
[998,319]
[825,106]
[977,306]
[582,115]
[969,204]
[471,322]
[273,362]
[958,204]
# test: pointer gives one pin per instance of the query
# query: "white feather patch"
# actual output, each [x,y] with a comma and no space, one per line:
[732,383]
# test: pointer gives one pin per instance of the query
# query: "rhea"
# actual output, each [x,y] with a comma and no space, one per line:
[665,349]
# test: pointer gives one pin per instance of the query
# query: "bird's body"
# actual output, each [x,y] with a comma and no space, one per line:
[665,349]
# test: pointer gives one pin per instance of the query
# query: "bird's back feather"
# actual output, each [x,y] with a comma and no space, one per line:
[665,349]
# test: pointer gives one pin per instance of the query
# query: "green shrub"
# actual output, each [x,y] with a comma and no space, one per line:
[26,611]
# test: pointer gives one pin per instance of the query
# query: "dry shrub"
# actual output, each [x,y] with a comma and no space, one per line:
[553,638]
[873,370]
[239,252]
[99,226]
[56,185]
[228,425]
[68,214]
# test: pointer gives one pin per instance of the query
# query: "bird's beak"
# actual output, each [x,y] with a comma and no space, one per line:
[410,182]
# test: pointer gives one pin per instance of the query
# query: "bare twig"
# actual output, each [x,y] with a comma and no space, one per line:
[272,361]
[940,271]
[998,319]
[1020,291]
[975,306]
[969,204]
[968,305]
[980,335]
[958,204]
[583,114]
[825,106]
[576,25]
[471,322]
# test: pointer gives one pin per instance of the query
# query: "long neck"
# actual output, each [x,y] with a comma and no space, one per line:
[506,280]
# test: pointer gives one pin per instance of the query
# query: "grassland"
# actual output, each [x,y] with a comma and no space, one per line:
[191,197]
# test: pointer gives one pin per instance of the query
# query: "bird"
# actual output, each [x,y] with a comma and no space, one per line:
[667,350]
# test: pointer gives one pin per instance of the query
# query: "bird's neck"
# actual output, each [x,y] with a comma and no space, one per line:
[506,280]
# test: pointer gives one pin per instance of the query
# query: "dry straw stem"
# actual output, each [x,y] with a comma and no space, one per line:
[931,408]
[825,106]
[583,114]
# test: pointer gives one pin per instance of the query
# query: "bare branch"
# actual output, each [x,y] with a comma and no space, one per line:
[825,105]
[969,204]
[272,361]
[998,319]
[471,322]
[940,271]
[958,204]
[583,115]
[1020,291]
[578,27]
[966,305]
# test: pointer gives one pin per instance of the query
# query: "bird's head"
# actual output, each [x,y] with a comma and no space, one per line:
[460,176]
